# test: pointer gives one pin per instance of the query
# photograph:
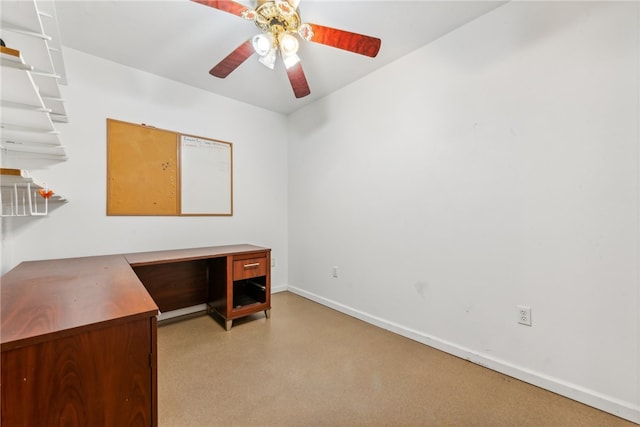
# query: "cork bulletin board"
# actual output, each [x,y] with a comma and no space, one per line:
[153,171]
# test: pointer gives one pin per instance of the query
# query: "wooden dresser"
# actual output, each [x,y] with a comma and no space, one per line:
[79,336]
[78,345]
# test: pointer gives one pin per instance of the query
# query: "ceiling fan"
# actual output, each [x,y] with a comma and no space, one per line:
[280,22]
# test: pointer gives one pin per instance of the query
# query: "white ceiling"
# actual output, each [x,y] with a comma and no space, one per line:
[182,40]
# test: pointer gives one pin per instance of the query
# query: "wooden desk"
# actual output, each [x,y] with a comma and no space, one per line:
[79,336]
[234,281]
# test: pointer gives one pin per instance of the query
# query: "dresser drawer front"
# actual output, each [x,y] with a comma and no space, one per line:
[248,268]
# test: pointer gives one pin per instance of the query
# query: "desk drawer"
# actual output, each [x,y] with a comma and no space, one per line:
[248,268]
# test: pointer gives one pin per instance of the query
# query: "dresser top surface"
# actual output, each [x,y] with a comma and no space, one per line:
[52,297]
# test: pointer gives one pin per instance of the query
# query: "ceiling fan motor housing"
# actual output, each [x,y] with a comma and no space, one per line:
[273,19]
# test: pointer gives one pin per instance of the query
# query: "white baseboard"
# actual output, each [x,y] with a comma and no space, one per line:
[622,409]
[279,289]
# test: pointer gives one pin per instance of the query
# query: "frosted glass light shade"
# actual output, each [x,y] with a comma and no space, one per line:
[288,44]
[261,44]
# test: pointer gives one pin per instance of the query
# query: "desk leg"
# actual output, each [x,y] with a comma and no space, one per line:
[267,313]
[228,324]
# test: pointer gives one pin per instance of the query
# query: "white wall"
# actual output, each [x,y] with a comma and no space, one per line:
[100,89]
[497,166]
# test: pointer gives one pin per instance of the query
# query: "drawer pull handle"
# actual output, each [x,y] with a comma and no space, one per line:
[254,264]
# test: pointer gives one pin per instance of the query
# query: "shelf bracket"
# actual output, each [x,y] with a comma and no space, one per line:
[33,205]
[18,199]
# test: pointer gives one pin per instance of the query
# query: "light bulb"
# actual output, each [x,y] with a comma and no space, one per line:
[261,44]
[288,44]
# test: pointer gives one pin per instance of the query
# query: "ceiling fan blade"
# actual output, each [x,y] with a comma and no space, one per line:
[233,60]
[353,42]
[298,80]
[225,6]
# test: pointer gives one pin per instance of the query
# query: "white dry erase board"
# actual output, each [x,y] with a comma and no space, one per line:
[205,166]
[153,171]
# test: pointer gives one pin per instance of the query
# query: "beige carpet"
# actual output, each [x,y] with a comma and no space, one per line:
[312,366]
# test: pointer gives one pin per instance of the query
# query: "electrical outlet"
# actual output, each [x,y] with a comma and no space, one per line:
[273,261]
[334,272]
[524,315]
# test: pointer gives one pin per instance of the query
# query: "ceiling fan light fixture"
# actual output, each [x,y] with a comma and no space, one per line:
[262,44]
[288,45]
